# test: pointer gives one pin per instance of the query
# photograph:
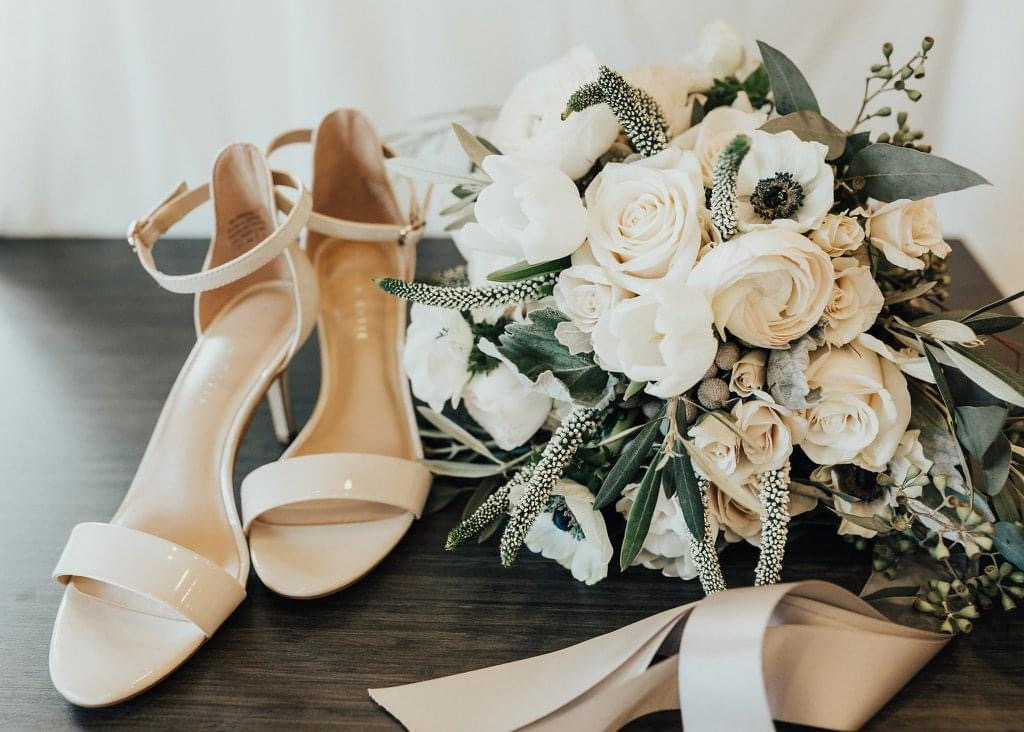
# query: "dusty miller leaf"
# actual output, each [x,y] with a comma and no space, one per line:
[787,371]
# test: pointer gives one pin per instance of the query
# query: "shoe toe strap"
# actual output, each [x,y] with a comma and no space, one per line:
[198,589]
[380,479]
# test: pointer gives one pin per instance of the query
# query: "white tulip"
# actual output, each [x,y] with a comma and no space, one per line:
[530,121]
[508,409]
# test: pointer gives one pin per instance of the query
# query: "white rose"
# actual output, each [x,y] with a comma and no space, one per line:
[436,354]
[502,404]
[838,235]
[783,181]
[748,373]
[715,131]
[862,411]
[769,431]
[720,51]
[904,231]
[643,219]
[664,338]
[667,544]
[670,86]
[584,292]
[531,122]
[530,211]
[855,304]
[719,443]
[573,533]
[768,287]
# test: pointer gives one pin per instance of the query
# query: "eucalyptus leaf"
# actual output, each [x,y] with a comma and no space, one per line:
[790,88]
[634,388]
[890,593]
[628,464]
[888,172]
[996,465]
[856,142]
[475,150]
[810,126]
[687,492]
[435,172]
[457,433]
[535,351]
[638,523]
[525,270]
[456,469]
[1009,540]
[978,427]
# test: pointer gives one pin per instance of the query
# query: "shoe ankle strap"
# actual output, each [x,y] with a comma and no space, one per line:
[356,230]
[145,232]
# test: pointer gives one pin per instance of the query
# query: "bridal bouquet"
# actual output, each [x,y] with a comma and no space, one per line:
[693,300]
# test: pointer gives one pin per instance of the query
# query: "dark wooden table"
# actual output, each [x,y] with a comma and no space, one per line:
[89,347]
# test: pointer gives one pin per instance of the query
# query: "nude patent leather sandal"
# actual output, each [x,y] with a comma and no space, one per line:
[146,590]
[350,485]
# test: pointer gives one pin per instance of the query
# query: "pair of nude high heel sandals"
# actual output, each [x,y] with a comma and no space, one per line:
[146,590]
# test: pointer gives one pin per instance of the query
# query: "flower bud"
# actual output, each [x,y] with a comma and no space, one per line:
[887,49]
[901,118]
[883,112]
[906,72]
[914,94]
[927,44]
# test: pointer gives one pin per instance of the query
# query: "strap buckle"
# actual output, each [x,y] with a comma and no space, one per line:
[414,228]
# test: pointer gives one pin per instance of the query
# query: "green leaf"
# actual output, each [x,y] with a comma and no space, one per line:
[436,172]
[628,464]
[525,270]
[1004,506]
[1009,540]
[536,352]
[639,521]
[998,303]
[456,469]
[873,523]
[792,92]
[697,113]
[634,388]
[442,495]
[810,127]
[887,173]
[481,494]
[904,295]
[997,379]
[687,492]
[457,433]
[475,150]
[889,593]
[758,85]
[855,143]
[996,465]
[983,324]
[978,427]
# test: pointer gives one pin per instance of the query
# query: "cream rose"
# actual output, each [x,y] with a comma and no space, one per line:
[862,411]
[436,354]
[748,373]
[741,519]
[643,219]
[904,231]
[783,181]
[530,121]
[855,304]
[768,287]
[838,235]
[769,432]
[664,338]
[584,292]
[714,132]
[719,443]
[530,211]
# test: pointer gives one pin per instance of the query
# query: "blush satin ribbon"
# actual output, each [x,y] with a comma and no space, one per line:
[810,653]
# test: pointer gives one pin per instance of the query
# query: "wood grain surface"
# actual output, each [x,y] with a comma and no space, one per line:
[89,347]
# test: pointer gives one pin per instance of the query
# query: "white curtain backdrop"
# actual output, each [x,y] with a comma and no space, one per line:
[105,104]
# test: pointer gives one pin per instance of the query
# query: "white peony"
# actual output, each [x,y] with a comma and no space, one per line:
[436,354]
[715,131]
[720,51]
[838,235]
[664,338]
[531,211]
[530,121]
[769,432]
[748,373]
[783,181]
[863,409]
[719,443]
[573,534]
[508,409]
[584,291]
[643,219]
[855,304]
[667,545]
[768,287]
[904,231]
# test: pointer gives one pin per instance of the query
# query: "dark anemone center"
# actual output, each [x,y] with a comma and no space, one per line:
[778,197]
[562,517]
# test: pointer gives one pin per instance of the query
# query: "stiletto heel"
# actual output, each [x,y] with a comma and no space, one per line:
[279,401]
